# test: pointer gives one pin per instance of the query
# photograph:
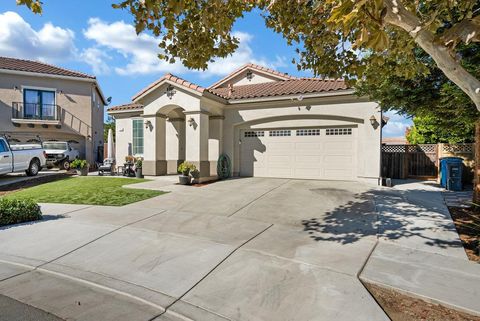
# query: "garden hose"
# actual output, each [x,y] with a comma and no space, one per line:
[224,167]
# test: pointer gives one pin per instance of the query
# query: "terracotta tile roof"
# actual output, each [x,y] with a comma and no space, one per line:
[131,106]
[38,67]
[173,78]
[272,72]
[281,88]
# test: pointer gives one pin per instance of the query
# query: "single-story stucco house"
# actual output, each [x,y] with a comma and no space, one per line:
[270,124]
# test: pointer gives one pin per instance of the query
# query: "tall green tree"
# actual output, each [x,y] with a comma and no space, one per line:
[110,124]
[433,130]
[334,34]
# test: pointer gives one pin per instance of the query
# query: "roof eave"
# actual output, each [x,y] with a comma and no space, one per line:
[239,71]
[39,74]
[124,111]
[160,82]
[344,92]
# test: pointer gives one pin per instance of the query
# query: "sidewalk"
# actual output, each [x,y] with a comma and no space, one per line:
[419,257]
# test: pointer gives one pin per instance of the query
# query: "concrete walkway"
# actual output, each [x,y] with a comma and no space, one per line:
[243,249]
[419,253]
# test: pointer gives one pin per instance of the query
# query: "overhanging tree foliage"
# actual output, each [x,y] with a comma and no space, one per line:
[443,113]
[335,34]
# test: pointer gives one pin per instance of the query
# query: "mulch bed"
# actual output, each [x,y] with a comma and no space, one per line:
[400,307]
[467,222]
[34,181]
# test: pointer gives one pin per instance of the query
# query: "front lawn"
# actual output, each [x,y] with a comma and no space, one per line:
[87,190]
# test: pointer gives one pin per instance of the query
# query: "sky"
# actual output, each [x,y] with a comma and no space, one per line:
[92,37]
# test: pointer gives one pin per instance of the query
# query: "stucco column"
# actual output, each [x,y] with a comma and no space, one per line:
[154,162]
[196,142]
[175,143]
[215,142]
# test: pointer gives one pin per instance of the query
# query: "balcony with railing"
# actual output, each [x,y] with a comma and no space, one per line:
[32,113]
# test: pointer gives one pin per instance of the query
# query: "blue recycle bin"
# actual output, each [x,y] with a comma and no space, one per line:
[451,169]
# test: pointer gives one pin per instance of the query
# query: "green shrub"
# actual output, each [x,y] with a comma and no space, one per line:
[14,211]
[185,168]
[79,164]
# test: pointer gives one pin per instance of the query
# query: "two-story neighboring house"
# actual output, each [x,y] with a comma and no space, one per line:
[38,100]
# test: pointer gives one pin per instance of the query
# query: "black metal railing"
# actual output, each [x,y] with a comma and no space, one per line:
[35,111]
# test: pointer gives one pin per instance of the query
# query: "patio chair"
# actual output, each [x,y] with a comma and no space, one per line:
[106,167]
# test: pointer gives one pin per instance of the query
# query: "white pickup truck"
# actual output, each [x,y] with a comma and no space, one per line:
[18,158]
[59,154]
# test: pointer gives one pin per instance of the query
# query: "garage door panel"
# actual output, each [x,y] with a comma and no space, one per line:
[307,160]
[341,174]
[279,161]
[338,148]
[280,172]
[277,148]
[337,162]
[308,148]
[307,156]
[306,173]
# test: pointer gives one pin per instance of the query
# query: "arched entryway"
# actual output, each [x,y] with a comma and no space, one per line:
[164,140]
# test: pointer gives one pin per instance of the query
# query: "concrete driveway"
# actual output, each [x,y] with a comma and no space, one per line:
[243,249]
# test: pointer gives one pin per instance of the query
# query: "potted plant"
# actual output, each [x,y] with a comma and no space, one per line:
[81,166]
[138,168]
[129,159]
[185,168]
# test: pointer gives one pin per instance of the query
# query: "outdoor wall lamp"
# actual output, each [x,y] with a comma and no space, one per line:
[148,124]
[16,88]
[373,121]
[60,92]
[249,75]
[191,121]
[170,91]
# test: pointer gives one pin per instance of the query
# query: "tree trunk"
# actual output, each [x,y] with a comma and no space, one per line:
[476,157]
[399,16]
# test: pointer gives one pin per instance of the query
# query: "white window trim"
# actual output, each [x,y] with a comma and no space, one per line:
[138,155]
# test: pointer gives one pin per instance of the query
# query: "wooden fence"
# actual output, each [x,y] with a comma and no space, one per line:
[421,161]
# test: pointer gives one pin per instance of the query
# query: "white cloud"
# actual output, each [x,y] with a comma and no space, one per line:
[244,54]
[96,58]
[49,44]
[396,126]
[141,52]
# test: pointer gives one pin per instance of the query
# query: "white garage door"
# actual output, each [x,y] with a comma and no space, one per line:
[306,153]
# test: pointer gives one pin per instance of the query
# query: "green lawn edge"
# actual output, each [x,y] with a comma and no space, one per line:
[106,191]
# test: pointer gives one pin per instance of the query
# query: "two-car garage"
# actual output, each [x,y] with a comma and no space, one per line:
[303,153]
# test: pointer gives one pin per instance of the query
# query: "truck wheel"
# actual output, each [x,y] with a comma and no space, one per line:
[65,165]
[33,168]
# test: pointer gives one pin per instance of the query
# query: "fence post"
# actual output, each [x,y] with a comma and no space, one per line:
[405,162]
[437,162]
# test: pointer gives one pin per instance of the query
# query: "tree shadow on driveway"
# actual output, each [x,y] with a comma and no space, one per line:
[416,217]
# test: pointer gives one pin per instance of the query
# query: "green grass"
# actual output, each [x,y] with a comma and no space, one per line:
[87,190]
